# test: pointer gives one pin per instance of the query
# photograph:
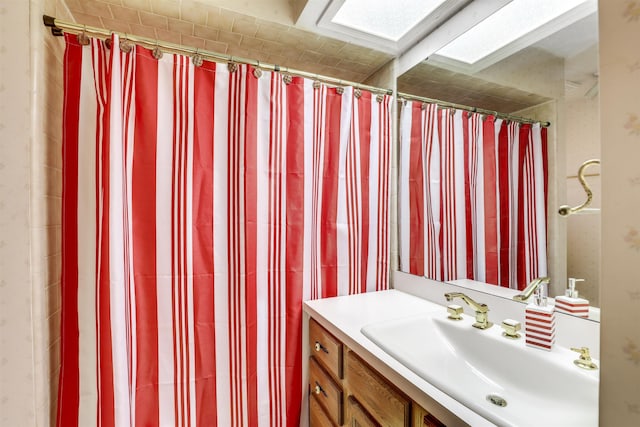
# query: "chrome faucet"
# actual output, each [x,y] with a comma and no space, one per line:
[482,318]
[530,289]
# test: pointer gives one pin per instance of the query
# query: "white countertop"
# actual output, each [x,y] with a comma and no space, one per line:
[345,316]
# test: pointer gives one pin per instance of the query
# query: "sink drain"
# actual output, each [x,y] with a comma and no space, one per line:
[497,400]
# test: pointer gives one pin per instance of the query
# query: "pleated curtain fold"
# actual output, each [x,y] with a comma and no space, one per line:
[201,207]
[472,199]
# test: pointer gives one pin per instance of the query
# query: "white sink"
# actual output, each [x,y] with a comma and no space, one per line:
[540,388]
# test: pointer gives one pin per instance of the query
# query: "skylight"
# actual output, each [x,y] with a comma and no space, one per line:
[531,19]
[387,19]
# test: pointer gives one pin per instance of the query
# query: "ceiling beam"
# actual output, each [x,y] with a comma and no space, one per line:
[459,23]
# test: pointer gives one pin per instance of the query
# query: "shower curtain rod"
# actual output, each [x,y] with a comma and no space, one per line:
[406,96]
[58,28]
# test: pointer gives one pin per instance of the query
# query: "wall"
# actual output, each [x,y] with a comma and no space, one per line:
[582,142]
[30,118]
[620,133]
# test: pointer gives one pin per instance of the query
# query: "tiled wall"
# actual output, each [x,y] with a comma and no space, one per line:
[30,213]
[17,391]
[620,134]
[582,142]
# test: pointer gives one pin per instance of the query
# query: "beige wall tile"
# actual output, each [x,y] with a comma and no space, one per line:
[168,36]
[195,13]
[143,31]
[244,26]
[154,20]
[85,19]
[191,41]
[217,20]
[140,5]
[97,8]
[182,27]
[215,46]
[170,9]
[204,32]
[115,25]
[125,14]
[231,39]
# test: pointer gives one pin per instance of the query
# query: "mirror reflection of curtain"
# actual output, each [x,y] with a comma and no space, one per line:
[201,206]
[472,196]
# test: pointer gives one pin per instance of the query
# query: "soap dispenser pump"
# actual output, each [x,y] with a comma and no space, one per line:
[540,321]
[570,302]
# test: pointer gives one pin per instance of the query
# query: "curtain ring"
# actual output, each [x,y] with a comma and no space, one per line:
[316,83]
[196,59]
[157,53]
[232,66]
[257,72]
[83,39]
[125,45]
[339,88]
[357,92]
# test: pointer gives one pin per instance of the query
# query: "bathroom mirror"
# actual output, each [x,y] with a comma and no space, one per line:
[547,73]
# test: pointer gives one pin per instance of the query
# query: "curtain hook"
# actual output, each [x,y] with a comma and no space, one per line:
[196,59]
[125,45]
[157,53]
[339,88]
[316,83]
[257,72]
[357,92]
[232,66]
[83,39]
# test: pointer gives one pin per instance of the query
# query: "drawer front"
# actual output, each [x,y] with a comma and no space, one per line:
[317,416]
[381,400]
[326,349]
[326,391]
[357,416]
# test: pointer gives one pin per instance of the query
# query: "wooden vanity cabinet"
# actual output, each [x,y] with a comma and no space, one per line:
[345,390]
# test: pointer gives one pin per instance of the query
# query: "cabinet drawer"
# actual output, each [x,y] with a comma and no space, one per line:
[326,391]
[326,349]
[357,416]
[317,416]
[384,403]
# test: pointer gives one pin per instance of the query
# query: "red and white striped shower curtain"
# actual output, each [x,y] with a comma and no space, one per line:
[201,206]
[472,196]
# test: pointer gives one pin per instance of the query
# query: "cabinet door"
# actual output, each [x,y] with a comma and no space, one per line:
[317,416]
[385,404]
[357,416]
[422,418]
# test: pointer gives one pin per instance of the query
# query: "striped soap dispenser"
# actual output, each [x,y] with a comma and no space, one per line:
[540,321]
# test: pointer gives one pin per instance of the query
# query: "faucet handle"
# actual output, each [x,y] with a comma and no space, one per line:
[455,312]
[511,328]
[584,361]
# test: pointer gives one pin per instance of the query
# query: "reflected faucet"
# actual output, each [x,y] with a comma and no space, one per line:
[531,288]
[482,318]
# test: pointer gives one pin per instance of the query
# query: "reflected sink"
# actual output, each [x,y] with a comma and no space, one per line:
[482,370]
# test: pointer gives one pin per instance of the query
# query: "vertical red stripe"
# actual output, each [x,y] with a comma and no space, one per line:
[545,170]
[202,222]
[505,210]
[364,110]
[490,200]
[416,193]
[294,251]
[69,381]
[522,214]
[106,404]
[328,215]
[470,164]
[144,240]
[250,230]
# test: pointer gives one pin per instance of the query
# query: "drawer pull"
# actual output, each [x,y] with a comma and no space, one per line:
[318,389]
[321,347]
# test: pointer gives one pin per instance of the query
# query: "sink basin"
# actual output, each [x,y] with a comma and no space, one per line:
[503,380]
